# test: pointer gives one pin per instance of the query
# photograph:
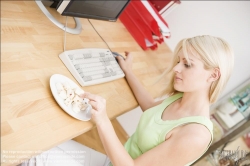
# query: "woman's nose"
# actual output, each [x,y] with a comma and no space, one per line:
[177,68]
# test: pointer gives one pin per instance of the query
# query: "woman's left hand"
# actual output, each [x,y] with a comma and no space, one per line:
[99,114]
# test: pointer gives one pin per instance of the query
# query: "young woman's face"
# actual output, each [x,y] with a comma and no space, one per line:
[190,78]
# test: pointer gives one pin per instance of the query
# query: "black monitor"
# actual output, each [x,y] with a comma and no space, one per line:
[108,10]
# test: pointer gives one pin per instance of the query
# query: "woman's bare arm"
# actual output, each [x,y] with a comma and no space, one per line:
[144,99]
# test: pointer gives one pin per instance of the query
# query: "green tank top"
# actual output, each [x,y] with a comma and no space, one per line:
[151,130]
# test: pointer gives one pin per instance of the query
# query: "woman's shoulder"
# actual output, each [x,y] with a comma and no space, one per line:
[201,132]
[187,136]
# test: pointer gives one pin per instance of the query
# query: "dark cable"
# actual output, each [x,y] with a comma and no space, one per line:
[100,35]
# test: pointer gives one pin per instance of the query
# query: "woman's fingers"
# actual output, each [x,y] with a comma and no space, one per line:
[126,53]
[91,96]
[94,104]
[119,58]
[84,95]
[95,101]
[128,56]
[98,111]
[93,112]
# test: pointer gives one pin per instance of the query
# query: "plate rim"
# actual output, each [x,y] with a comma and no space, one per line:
[54,92]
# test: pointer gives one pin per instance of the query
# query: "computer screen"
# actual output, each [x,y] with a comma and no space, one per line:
[108,10]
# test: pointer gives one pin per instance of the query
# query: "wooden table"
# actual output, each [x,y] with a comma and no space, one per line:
[31,120]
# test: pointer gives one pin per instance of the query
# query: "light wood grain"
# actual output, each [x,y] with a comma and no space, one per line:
[92,139]
[31,120]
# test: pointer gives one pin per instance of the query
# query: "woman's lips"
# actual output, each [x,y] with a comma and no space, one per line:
[177,78]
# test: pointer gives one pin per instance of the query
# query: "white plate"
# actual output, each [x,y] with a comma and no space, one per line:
[60,78]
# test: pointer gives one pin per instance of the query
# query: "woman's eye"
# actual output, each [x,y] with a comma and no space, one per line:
[187,65]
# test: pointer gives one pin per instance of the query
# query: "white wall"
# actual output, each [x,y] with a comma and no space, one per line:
[229,20]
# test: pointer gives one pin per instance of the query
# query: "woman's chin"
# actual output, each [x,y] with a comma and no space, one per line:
[178,88]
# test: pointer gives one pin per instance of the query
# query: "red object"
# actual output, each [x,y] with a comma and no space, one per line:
[142,25]
[134,31]
[247,140]
[160,17]
[147,17]
[159,4]
[139,22]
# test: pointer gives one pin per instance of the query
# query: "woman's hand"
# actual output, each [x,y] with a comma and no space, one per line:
[99,114]
[126,65]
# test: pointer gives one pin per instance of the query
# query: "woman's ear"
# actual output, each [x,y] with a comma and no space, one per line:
[215,74]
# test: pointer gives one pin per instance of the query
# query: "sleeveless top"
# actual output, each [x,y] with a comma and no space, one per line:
[152,130]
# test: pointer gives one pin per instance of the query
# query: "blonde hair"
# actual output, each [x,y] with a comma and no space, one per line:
[214,52]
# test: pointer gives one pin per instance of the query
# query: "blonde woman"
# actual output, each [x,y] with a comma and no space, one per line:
[173,132]
[176,131]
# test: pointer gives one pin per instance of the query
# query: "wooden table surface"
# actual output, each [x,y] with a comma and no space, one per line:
[31,119]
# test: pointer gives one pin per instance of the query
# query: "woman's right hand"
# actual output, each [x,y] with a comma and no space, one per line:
[126,65]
